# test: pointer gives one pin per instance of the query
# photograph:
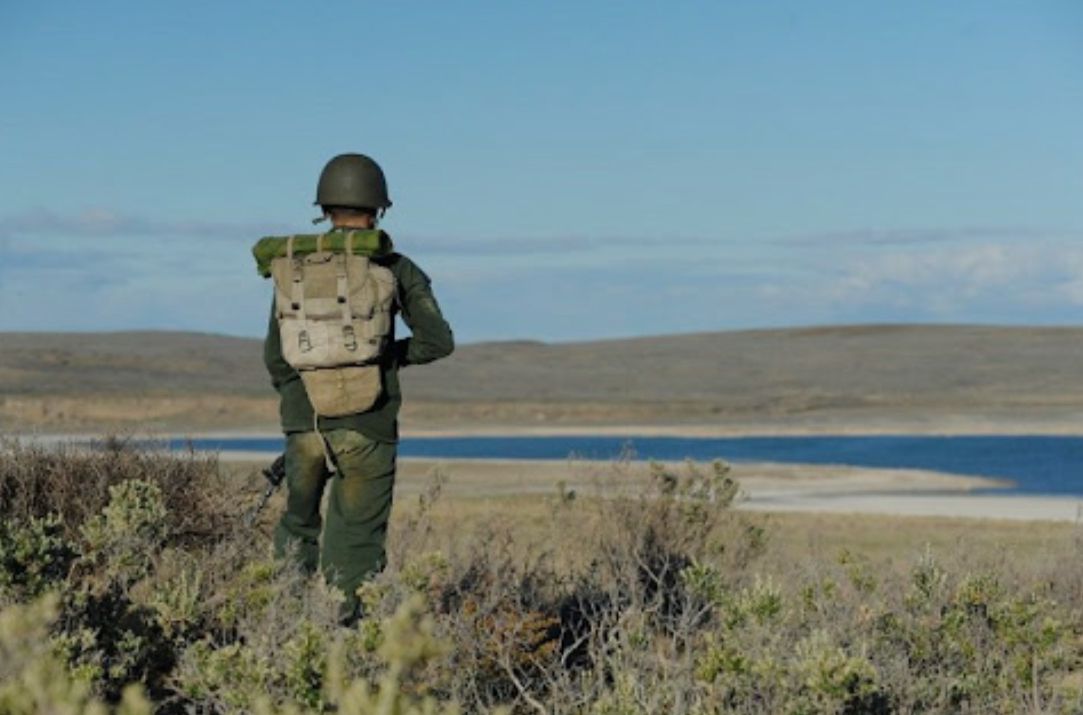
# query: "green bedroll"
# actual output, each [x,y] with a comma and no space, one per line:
[373,242]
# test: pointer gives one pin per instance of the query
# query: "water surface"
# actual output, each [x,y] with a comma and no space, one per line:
[1037,464]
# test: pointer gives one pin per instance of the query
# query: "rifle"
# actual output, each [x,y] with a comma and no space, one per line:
[274,475]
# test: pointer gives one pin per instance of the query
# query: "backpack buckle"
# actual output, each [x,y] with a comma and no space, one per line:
[303,341]
[349,337]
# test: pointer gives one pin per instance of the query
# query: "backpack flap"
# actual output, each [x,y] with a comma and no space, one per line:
[341,391]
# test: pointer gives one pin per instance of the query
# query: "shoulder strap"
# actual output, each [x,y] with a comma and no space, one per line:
[297,286]
[342,280]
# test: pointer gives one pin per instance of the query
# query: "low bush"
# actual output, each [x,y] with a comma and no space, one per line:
[143,596]
[73,483]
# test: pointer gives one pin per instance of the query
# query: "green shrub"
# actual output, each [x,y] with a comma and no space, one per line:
[34,556]
[668,606]
[123,541]
[34,680]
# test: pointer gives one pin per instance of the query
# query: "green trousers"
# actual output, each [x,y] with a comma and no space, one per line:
[357,510]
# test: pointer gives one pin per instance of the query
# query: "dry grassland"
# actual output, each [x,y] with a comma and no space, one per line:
[830,379]
[520,496]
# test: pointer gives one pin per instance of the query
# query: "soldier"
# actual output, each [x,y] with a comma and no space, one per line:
[340,414]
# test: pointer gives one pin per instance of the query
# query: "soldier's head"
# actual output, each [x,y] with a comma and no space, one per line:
[352,191]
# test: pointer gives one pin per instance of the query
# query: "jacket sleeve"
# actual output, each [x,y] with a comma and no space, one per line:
[431,337]
[280,371]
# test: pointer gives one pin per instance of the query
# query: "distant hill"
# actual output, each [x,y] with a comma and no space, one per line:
[129,363]
[742,373]
[758,368]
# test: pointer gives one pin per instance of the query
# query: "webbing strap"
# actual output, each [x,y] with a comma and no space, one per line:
[342,267]
[368,283]
[327,460]
[297,288]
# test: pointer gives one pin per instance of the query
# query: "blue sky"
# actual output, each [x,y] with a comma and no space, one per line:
[562,170]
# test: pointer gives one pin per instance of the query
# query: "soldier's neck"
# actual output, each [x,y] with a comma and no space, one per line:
[361,222]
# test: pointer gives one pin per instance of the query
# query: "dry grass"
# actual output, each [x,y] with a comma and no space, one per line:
[522,495]
[658,598]
[73,483]
[831,378]
[101,413]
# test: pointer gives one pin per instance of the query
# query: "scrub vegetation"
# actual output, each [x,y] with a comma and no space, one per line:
[128,584]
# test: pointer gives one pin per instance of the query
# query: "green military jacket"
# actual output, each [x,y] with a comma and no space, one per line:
[430,339]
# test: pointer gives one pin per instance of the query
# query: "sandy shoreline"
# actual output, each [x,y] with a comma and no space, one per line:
[765,486]
[971,506]
[768,487]
[961,424]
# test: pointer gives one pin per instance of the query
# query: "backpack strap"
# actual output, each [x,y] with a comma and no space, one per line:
[342,283]
[297,295]
[367,282]
[297,284]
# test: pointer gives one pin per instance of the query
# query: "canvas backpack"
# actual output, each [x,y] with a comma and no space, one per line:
[334,317]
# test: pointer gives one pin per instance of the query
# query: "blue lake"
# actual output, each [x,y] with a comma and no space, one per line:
[1037,464]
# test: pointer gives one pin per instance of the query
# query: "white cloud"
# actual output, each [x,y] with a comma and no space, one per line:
[102,270]
[101,222]
[927,236]
[953,282]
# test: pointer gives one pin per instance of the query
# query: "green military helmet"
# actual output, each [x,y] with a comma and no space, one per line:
[353,181]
